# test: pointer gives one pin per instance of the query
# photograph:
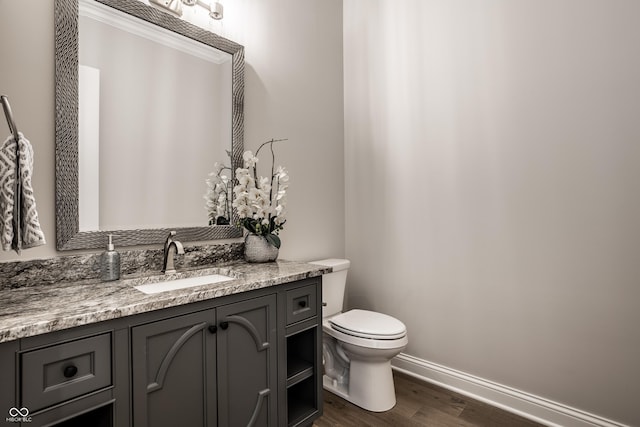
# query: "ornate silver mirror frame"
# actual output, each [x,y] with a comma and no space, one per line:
[68,235]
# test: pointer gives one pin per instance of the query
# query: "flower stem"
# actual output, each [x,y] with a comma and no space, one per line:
[273,161]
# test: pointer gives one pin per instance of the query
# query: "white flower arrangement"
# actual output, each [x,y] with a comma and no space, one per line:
[218,196]
[260,201]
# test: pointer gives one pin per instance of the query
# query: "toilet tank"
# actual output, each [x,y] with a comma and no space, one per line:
[333,285]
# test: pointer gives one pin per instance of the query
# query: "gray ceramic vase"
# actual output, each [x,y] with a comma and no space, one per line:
[258,249]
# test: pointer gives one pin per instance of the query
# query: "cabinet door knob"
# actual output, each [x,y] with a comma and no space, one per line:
[213,329]
[224,325]
[302,303]
[70,371]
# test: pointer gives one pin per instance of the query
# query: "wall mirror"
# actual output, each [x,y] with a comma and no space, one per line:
[146,103]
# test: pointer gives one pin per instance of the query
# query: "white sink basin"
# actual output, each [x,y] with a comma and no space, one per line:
[188,282]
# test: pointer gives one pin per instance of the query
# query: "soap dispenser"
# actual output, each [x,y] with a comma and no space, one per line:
[110,263]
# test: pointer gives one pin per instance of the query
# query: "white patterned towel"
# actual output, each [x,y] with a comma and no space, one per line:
[19,225]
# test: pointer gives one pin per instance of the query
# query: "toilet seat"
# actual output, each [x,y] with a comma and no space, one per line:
[363,342]
[353,337]
[368,324]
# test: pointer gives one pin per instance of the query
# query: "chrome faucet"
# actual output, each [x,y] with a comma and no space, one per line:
[170,248]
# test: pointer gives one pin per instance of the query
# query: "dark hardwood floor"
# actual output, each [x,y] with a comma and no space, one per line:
[420,404]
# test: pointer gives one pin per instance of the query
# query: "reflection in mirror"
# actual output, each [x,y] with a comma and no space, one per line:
[151,126]
[146,103]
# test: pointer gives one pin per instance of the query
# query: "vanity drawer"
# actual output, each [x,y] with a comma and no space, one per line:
[301,303]
[61,372]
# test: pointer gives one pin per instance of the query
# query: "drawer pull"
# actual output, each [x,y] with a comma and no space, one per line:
[213,329]
[302,303]
[224,325]
[70,371]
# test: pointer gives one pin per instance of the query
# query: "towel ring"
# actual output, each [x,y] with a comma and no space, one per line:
[16,244]
[7,113]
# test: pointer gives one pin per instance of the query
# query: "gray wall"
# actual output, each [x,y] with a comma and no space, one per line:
[27,78]
[492,170]
[293,90]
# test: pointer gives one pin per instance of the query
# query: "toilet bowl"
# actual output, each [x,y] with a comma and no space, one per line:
[358,346]
[365,354]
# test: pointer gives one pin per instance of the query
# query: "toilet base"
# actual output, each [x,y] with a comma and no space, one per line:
[340,390]
[373,388]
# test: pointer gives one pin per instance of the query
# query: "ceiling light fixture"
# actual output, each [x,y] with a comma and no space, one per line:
[216,11]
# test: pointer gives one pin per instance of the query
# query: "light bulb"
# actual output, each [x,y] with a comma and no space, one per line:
[216,10]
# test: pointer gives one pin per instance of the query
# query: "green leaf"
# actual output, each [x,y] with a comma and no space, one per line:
[250,224]
[273,239]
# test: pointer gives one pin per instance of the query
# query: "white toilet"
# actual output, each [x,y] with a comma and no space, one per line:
[357,346]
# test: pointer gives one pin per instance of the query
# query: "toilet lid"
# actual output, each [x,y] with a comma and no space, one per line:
[368,324]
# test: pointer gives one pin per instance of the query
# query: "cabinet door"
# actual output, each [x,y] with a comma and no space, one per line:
[247,365]
[173,370]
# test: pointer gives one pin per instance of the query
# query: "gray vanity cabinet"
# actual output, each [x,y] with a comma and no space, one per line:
[173,369]
[249,359]
[247,363]
[212,367]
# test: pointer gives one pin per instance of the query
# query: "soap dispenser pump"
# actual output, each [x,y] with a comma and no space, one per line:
[110,263]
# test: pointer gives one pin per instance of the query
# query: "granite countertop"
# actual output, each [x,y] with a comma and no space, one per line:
[35,310]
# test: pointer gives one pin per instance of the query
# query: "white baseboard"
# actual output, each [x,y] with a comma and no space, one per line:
[526,405]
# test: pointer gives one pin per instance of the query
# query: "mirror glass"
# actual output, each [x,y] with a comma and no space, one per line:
[146,103]
[154,115]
